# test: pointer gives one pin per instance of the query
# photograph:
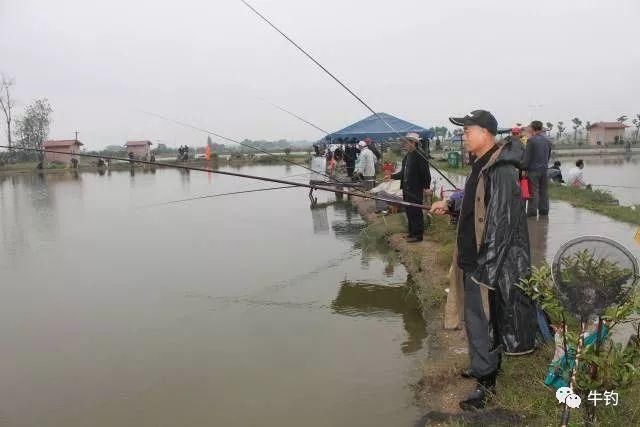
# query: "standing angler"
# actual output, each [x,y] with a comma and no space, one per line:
[414,178]
[535,164]
[493,253]
[366,165]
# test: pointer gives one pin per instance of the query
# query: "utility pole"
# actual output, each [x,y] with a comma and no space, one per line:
[77,136]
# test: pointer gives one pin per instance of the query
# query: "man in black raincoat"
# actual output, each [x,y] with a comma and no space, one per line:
[493,253]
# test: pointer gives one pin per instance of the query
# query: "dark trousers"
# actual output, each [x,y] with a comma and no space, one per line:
[484,353]
[351,165]
[539,188]
[415,216]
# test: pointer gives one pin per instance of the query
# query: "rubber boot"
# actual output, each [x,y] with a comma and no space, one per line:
[478,398]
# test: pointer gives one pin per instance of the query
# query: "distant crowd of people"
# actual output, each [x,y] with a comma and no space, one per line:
[183,153]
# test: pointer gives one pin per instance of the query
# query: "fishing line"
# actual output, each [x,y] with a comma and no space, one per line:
[323,68]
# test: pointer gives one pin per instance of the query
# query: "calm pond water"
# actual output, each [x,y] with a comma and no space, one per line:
[223,312]
[611,173]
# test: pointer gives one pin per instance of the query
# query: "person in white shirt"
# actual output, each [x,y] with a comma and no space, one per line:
[575,177]
[366,165]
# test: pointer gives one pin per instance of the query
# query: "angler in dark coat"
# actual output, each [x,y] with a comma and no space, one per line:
[350,155]
[415,178]
[493,254]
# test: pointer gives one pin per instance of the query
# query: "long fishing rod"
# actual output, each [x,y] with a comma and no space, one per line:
[234,174]
[358,98]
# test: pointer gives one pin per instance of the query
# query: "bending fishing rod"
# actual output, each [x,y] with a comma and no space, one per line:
[234,174]
[226,138]
[359,99]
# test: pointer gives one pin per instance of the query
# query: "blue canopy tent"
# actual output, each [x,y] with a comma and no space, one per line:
[372,127]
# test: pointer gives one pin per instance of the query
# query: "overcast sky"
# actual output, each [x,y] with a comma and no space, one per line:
[209,62]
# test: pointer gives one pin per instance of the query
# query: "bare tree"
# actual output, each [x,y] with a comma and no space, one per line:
[621,119]
[33,127]
[549,126]
[577,123]
[561,129]
[7,102]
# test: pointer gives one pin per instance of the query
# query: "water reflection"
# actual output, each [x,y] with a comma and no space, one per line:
[185,178]
[320,219]
[538,236]
[29,217]
[350,225]
[367,299]
[375,247]
[43,201]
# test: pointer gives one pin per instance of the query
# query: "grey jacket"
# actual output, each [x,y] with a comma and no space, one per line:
[537,154]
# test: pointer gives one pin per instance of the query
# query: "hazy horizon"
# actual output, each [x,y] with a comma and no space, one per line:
[212,64]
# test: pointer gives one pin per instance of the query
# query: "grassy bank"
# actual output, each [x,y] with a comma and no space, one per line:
[598,201]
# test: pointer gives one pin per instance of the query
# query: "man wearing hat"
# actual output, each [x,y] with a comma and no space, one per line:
[415,178]
[493,254]
[366,165]
[373,148]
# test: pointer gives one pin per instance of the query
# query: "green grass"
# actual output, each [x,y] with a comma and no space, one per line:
[443,233]
[521,388]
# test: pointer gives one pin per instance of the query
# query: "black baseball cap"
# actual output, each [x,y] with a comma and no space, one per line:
[481,118]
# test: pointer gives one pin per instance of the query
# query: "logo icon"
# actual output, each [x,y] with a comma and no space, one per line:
[565,395]
[573,401]
[562,393]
